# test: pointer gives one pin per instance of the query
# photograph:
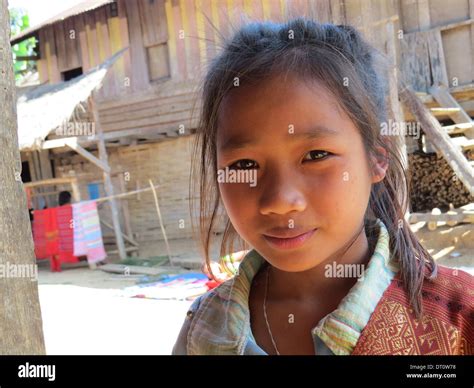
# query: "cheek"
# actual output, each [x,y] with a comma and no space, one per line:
[237,202]
[340,192]
[241,207]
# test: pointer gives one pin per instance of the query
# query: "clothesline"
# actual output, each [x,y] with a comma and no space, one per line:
[101,199]
[127,194]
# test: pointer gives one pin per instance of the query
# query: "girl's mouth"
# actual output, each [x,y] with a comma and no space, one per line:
[289,242]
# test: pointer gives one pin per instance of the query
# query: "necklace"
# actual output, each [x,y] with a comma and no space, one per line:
[265,311]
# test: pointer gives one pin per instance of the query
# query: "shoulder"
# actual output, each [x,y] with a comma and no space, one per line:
[181,344]
[447,318]
[218,321]
[206,310]
[451,284]
[447,285]
[449,297]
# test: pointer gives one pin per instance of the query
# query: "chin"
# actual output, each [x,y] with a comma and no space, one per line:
[290,262]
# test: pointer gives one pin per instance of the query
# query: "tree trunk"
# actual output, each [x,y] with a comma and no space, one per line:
[21,330]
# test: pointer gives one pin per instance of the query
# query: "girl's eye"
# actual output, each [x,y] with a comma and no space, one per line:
[316,155]
[244,164]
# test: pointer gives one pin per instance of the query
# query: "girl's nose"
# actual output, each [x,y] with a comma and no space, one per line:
[281,195]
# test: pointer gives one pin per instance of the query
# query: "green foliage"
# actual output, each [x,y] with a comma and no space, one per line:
[19,21]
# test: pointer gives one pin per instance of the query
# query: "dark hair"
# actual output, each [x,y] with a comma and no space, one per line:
[64,198]
[329,54]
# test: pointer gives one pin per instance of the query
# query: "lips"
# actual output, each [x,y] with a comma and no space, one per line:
[284,238]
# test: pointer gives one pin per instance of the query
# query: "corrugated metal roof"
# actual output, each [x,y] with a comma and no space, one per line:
[79,8]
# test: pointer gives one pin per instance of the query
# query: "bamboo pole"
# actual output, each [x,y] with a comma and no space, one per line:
[125,210]
[122,195]
[161,221]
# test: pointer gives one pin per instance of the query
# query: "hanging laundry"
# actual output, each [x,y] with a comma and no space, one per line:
[46,236]
[66,234]
[79,244]
[87,233]
[51,222]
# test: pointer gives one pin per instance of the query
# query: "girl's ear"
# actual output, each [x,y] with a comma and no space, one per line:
[379,164]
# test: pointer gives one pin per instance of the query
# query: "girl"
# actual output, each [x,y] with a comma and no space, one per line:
[290,145]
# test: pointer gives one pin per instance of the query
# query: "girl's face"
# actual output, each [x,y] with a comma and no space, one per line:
[313,178]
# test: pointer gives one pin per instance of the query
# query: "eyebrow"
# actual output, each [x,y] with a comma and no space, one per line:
[314,133]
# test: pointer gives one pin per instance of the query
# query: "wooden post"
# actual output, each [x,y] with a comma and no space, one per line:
[393,91]
[126,213]
[37,177]
[32,166]
[393,97]
[76,194]
[109,189]
[46,173]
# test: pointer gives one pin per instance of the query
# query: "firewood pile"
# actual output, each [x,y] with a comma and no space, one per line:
[434,184]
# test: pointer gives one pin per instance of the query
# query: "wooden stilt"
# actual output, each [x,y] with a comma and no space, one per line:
[109,190]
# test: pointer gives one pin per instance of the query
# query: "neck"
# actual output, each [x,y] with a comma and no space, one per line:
[304,286]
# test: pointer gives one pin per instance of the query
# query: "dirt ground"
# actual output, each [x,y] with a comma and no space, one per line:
[449,246]
[83,313]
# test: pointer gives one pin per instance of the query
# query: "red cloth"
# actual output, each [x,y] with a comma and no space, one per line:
[39,233]
[53,236]
[66,234]
[211,284]
[51,231]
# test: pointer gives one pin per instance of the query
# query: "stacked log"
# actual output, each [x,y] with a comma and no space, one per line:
[434,184]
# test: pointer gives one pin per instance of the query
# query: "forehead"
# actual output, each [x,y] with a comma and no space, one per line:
[277,103]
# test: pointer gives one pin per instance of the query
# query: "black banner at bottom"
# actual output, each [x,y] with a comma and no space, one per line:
[136,371]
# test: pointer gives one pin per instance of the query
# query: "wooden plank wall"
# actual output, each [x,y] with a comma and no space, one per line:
[165,112]
[451,51]
[199,42]
[423,63]
[86,40]
[128,99]
[48,65]
[192,43]
[187,27]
